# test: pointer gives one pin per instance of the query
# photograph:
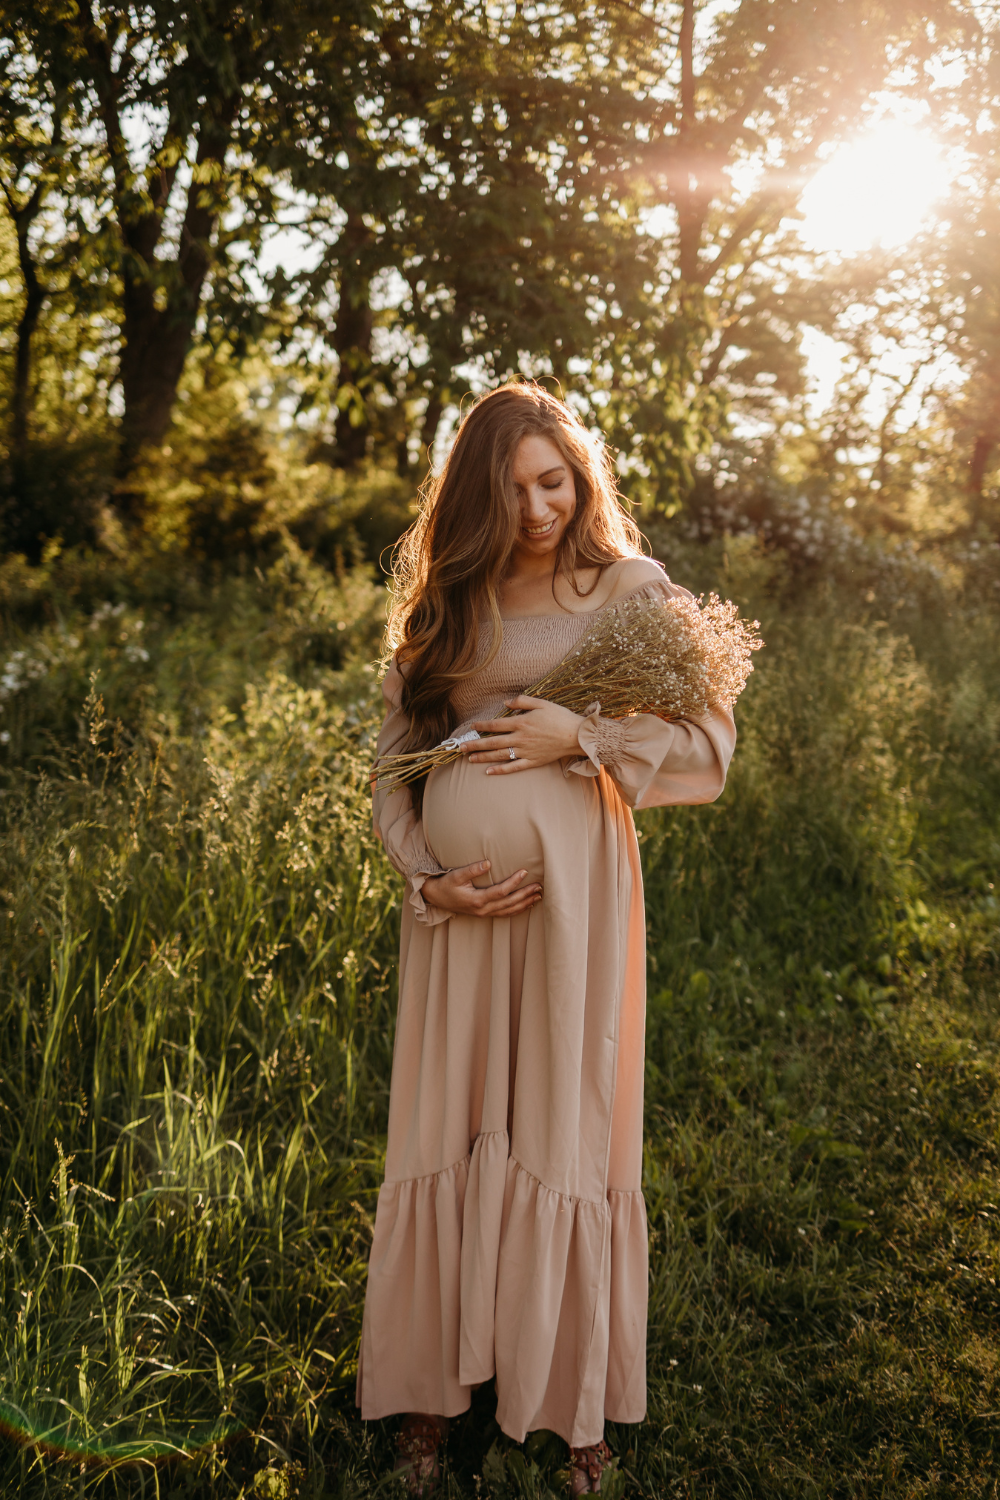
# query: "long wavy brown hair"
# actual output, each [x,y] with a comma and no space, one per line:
[450,565]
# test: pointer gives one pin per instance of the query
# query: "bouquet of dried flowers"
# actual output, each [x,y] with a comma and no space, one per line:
[677,660]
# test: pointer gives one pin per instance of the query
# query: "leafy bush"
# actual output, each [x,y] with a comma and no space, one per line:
[170,650]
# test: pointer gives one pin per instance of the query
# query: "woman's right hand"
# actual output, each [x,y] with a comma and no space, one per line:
[454,892]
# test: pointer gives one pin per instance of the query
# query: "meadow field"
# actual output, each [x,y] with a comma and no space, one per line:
[198,991]
[256,260]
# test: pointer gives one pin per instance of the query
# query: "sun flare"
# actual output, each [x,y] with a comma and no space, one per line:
[874,190]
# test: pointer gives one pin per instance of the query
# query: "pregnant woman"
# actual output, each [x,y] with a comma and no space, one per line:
[510,1235]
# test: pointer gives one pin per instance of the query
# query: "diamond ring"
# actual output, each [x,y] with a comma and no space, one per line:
[511,753]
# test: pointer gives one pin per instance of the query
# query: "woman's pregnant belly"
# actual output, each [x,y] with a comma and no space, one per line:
[509,820]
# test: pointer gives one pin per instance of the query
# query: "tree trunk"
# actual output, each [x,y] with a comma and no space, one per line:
[982,451]
[429,427]
[352,341]
[686,192]
[157,339]
[24,520]
[34,299]
[155,347]
[22,216]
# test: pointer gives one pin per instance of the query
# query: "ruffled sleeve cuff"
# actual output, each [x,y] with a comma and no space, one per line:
[425,867]
[603,742]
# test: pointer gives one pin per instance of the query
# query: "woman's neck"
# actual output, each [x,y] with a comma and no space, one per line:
[533,587]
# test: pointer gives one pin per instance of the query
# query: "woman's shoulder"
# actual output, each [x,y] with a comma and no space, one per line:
[629,575]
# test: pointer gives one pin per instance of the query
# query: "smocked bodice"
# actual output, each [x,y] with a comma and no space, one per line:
[532,645]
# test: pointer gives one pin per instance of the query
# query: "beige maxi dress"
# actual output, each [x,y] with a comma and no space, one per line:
[510,1234]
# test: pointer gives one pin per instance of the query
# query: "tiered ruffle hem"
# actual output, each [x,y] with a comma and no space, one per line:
[561,1310]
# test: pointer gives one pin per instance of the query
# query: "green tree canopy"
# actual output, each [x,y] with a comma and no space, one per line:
[599,192]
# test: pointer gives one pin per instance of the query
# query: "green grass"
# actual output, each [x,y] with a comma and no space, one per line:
[197,997]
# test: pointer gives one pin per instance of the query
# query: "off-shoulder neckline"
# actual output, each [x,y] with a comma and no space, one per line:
[586,614]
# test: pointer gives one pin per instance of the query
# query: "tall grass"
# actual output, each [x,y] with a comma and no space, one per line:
[198,997]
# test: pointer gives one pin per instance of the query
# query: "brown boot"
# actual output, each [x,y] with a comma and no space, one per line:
[419,1438]
[586,1468]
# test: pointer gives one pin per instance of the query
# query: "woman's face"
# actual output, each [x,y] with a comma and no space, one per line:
[546,495]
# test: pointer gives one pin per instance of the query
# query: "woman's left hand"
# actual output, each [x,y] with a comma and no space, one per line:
[541,733]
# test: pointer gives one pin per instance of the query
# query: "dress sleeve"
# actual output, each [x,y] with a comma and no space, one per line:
[652,762]
[398,827]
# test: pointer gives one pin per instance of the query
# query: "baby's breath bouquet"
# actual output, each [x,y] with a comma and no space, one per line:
[678,660]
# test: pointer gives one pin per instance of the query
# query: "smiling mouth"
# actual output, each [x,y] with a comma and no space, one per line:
[539,530]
